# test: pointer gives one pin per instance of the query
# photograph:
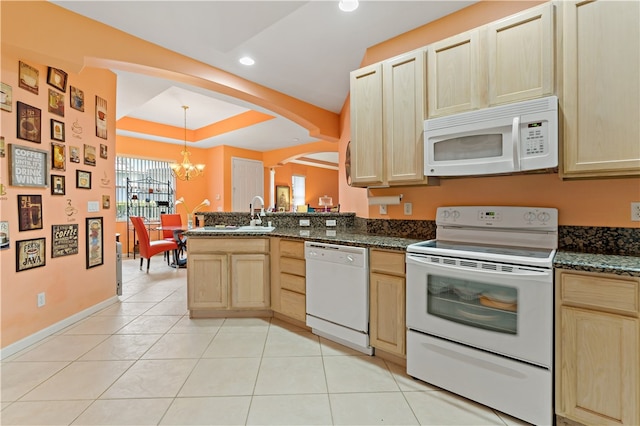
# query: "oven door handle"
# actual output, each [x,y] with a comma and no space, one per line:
[532,274]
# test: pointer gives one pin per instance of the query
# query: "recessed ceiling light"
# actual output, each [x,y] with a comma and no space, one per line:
[348,5]
[245,60]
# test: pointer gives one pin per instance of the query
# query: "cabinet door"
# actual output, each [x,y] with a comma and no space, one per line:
[387,313]
[404,97]
[601,88]
[454,74]
[250,281]
[366,126]
[207,281]
[520,54]
[598,375]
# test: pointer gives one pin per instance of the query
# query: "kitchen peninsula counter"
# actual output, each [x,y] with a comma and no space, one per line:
[342,237]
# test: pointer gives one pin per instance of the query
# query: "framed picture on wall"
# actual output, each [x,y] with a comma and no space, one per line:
[58,185]
[28,166]
[58,157]
[30,254]
[94,242]
[28,77]
[56,103]
[57,78]
[4,235]
[89,155]
[6,97]
[29,212]
[64,240]
[83,179]
[74,154]
[101,117]
[76,97]
[282,198]
[57,130]
[28,118]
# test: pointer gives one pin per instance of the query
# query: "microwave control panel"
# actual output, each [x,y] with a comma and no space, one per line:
[534,137]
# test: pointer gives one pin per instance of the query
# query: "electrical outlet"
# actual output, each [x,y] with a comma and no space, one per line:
[41,300]
[305,222]
[330,222]
[383,209]
[408,209]
[635,212]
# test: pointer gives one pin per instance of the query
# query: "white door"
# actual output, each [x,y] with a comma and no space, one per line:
[247,181]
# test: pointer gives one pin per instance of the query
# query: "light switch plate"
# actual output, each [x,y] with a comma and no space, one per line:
[408,209]
[383,209]
[331,232]
[330,222]
[93,206]
[305,233]
[305,222]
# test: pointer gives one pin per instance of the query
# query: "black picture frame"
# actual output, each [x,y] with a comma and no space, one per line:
[57,78]
[28,123]
[83,179]
[31,254]
[29,212]
[64,240]
[76,98]
[57,130]
[58,185]
[94,241]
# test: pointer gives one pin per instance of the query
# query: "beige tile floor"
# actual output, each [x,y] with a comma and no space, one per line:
[142,361]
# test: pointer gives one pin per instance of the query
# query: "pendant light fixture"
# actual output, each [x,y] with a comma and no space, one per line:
[186,170]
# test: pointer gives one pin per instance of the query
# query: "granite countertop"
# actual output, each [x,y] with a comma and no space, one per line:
[342,237]
[613,264]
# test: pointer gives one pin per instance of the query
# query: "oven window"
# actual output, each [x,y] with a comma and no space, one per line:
[473,303]
[468,148]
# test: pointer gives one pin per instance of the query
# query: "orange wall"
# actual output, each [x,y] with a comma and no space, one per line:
[318,183]
[68,286]
[601,202]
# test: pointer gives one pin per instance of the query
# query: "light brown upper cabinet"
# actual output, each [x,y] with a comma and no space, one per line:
[601,88]
[387,119]
[506,61]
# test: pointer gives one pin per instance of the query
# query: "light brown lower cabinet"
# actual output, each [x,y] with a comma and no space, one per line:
[227,275]
[288,277]
[597,348]
[387,292]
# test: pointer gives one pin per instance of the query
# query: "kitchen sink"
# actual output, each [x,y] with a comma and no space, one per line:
[235,229]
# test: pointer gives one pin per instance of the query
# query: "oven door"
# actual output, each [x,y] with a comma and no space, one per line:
[501,308]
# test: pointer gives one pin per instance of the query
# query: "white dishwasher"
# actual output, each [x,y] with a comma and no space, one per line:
[338,293]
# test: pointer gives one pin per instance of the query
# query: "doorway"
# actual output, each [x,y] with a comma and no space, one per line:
[247,180]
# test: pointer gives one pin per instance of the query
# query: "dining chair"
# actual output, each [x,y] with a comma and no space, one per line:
[171,220]
[150,248]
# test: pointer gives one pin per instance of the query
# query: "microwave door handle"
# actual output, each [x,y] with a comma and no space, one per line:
[515,139]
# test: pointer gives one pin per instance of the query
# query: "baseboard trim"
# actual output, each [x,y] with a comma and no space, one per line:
[54,328]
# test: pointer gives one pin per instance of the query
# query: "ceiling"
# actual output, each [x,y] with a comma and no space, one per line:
[304,49]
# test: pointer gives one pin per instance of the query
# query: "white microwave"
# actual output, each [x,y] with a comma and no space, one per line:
[510,138]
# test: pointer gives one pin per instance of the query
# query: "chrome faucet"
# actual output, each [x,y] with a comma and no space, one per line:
[257,220]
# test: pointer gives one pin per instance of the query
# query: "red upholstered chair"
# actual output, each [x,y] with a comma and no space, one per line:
[170,220]
[149,248]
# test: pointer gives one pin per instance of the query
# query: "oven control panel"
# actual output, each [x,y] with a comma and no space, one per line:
[499,217]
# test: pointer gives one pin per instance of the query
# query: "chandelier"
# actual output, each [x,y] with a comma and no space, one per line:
[186,170]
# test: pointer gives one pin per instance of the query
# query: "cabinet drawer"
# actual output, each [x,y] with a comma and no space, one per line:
[293,305]
[387,262]
[617,294]
[228,245]
[292,248]
[292,282]
[292,266]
